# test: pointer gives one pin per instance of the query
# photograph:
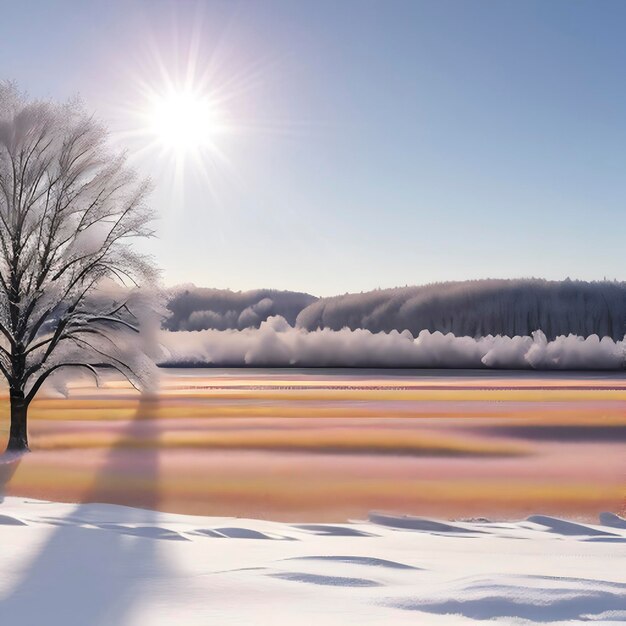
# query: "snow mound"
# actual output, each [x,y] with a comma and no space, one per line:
[245,533]
[563,527]
[6,520]
[408,522]
[356,560]
[534,598]
[333,531]
[149,532]
[329,581]
[610,519]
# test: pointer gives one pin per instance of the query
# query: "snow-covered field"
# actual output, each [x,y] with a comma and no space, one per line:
[96,564]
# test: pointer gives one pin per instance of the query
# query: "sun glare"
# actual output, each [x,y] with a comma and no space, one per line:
[183,113]
[184,121]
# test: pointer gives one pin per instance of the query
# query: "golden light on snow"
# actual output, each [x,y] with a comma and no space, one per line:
[266,444]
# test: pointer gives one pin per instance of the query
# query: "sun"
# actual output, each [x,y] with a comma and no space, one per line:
[180,127]
[184,121]
[187,111]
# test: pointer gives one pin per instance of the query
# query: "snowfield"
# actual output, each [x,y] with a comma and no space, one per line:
[97,564]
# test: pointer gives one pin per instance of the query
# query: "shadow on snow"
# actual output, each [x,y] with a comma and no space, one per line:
[83,576]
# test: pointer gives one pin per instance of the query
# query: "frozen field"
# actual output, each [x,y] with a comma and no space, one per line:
[330,445]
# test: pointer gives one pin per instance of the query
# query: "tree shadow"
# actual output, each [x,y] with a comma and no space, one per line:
[9,462]
[92,570]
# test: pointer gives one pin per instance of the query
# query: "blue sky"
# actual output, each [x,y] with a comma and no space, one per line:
[377,143]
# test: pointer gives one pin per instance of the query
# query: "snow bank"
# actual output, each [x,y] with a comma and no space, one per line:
[276,343]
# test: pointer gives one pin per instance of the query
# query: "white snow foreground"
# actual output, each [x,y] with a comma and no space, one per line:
[96,564]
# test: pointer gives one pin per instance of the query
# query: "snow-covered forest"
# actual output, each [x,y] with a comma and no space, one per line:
[197,308]
[470,308]
[479,308]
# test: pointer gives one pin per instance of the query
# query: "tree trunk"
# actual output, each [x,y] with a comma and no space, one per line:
[18,436]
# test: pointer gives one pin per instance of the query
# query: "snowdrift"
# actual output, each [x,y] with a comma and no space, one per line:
[73,565]
[275,343]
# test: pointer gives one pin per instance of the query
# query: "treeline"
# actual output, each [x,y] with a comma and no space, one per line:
[198,308]
[479,308]
[470,308]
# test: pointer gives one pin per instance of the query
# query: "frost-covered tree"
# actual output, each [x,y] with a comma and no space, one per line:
[70,208]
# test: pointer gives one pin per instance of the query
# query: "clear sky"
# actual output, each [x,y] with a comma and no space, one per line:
[370,143]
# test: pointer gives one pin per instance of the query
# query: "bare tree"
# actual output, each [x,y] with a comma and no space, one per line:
[69,276]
